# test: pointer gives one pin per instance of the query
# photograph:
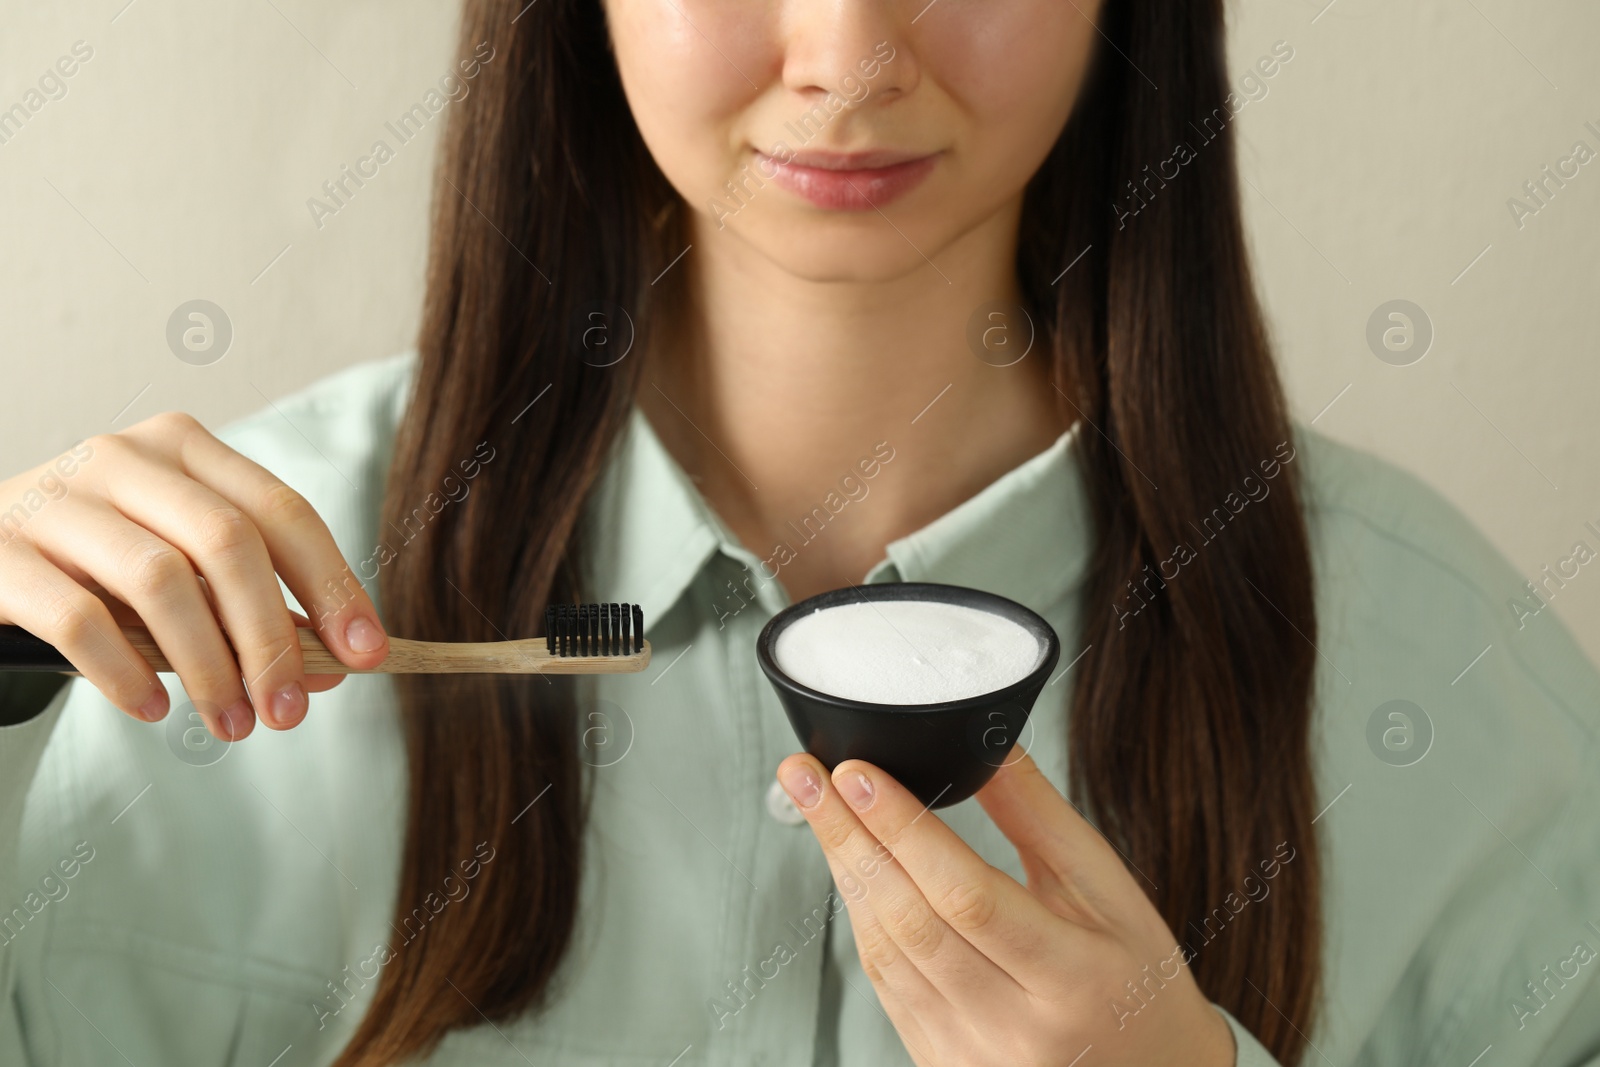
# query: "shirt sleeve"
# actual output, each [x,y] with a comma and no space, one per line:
[21,747]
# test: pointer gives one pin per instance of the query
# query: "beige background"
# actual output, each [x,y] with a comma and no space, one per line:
[1380,163]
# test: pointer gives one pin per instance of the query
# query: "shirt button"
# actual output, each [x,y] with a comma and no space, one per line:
[781,808]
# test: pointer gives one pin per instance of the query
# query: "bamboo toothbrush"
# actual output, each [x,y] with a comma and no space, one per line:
[579,639]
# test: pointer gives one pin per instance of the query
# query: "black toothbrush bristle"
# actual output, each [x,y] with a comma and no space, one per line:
[593,629]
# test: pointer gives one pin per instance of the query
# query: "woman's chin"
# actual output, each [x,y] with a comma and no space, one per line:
[840,247]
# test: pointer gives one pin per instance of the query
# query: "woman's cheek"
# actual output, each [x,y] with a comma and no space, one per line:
[1007,61]
[690,147]
[1000,72]
[685,92]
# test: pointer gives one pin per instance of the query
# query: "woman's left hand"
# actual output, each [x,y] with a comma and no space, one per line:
[975,969]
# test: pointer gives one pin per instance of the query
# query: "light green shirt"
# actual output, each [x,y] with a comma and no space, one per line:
[218,896]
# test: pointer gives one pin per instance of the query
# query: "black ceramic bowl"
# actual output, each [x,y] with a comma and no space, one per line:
[942,752]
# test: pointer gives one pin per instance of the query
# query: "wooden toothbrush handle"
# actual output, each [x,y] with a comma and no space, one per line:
[20,650]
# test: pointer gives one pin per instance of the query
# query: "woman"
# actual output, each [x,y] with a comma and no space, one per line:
[730,304]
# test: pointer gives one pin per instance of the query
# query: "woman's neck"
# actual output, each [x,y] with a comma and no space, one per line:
[781,386]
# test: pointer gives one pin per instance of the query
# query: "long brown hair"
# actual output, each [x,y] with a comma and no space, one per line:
[1189,724]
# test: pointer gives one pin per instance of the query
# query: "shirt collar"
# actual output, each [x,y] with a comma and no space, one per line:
[650,530]
[1024,536]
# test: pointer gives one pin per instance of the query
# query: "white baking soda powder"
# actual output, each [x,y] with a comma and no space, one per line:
[905,651]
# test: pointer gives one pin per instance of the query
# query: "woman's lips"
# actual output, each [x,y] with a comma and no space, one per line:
[857,182]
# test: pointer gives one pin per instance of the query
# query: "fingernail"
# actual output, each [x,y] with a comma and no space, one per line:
[363,635]
[857,789]
[155,709]
[288,704]
[801,785]
[236,719]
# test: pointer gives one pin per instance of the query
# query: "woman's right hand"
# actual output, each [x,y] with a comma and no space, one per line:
[164,526]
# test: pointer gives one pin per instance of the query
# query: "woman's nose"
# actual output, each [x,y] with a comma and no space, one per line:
[853,48]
